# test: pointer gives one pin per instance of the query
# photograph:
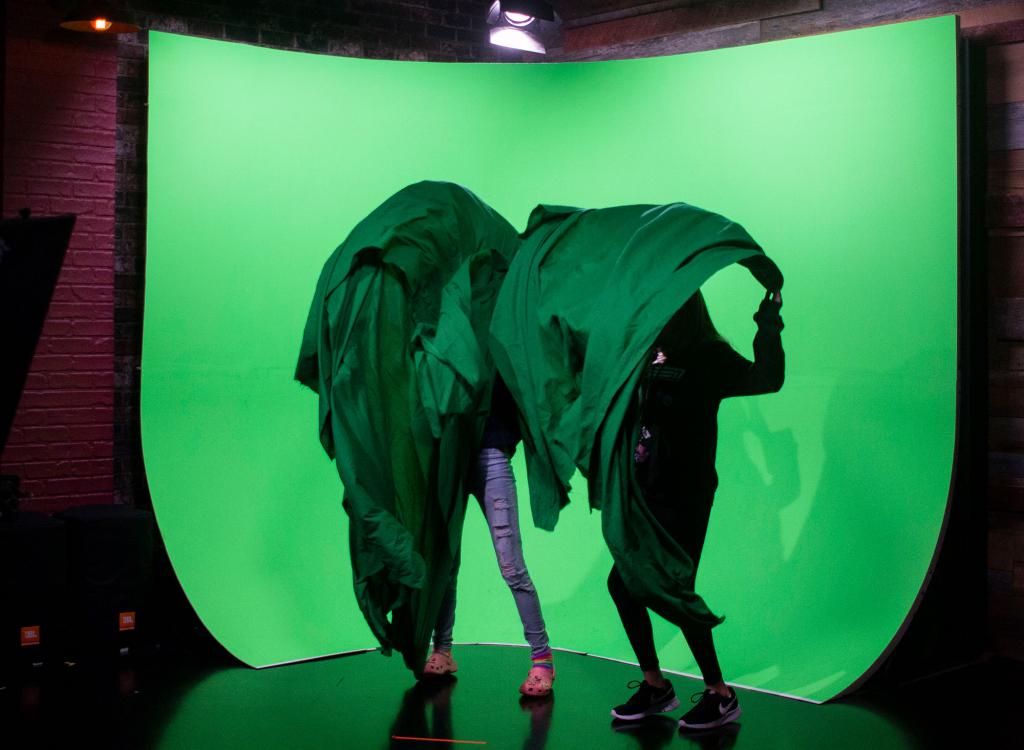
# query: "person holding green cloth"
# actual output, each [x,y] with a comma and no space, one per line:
[691,369]
[588,297]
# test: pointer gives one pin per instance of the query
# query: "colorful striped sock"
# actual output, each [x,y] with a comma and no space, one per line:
[545,660]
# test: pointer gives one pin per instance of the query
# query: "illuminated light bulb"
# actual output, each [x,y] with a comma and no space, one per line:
[101,24]
[516,39]
[518,19]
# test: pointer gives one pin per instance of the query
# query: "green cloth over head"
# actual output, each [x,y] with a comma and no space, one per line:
[582,303]
[395,346]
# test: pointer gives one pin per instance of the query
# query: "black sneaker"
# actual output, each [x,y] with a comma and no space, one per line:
[712,710]
[646,701]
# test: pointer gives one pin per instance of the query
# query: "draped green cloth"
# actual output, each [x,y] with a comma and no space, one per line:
[395,346]
[411,315]
[583,301]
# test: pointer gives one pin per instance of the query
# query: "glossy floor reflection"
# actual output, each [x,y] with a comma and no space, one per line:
[369,701]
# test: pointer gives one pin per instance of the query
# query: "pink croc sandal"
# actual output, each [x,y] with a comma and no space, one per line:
[538,682]
[440,663]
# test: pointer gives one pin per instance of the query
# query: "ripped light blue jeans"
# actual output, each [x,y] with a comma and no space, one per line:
[494,486]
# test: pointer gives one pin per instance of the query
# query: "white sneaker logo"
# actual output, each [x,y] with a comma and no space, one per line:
[723,708]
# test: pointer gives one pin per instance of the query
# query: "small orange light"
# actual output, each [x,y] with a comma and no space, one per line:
[98,24]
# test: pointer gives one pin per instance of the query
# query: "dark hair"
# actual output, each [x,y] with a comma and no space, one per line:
[689,326]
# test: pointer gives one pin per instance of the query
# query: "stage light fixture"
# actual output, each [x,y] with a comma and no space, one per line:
[527,25]
[97,18]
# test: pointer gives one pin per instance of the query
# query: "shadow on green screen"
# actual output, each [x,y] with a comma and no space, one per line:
[837,152]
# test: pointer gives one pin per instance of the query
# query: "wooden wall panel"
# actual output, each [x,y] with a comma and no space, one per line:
[1006,266]
[1002,28]
[1006,171]
[698,41]
[990,14]
[1005,210]
[690,18]
[1008,356]
[1006,126]
[1007,495]
[838,15]
[1006,433]
[1005,73]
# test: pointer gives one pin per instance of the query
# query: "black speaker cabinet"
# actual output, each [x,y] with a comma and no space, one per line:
[33,590]
[110,578]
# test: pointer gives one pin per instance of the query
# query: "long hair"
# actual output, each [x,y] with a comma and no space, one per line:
[690,326]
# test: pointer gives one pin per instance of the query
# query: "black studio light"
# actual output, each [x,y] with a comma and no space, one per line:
[527,25]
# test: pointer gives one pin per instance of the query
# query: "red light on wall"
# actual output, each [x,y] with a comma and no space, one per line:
[101,24]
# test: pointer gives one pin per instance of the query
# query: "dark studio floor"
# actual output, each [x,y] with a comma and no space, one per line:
[364,700]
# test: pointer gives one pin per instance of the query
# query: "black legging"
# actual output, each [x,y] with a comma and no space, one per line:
[687,523]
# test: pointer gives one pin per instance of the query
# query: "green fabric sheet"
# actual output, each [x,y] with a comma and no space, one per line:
[583,301]
[395,346]
[410,317]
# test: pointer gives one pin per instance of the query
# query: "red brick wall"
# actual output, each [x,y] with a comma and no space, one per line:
[59,157]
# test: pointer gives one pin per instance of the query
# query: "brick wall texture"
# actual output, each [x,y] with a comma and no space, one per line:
[59,157]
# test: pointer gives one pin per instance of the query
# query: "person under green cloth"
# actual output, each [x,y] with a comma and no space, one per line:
[691,370]
[395,345]
[493,484]
[584,301]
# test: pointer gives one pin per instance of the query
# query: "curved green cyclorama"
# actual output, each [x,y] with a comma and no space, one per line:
[837,153]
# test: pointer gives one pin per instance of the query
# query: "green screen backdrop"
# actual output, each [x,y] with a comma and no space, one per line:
[837,152]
